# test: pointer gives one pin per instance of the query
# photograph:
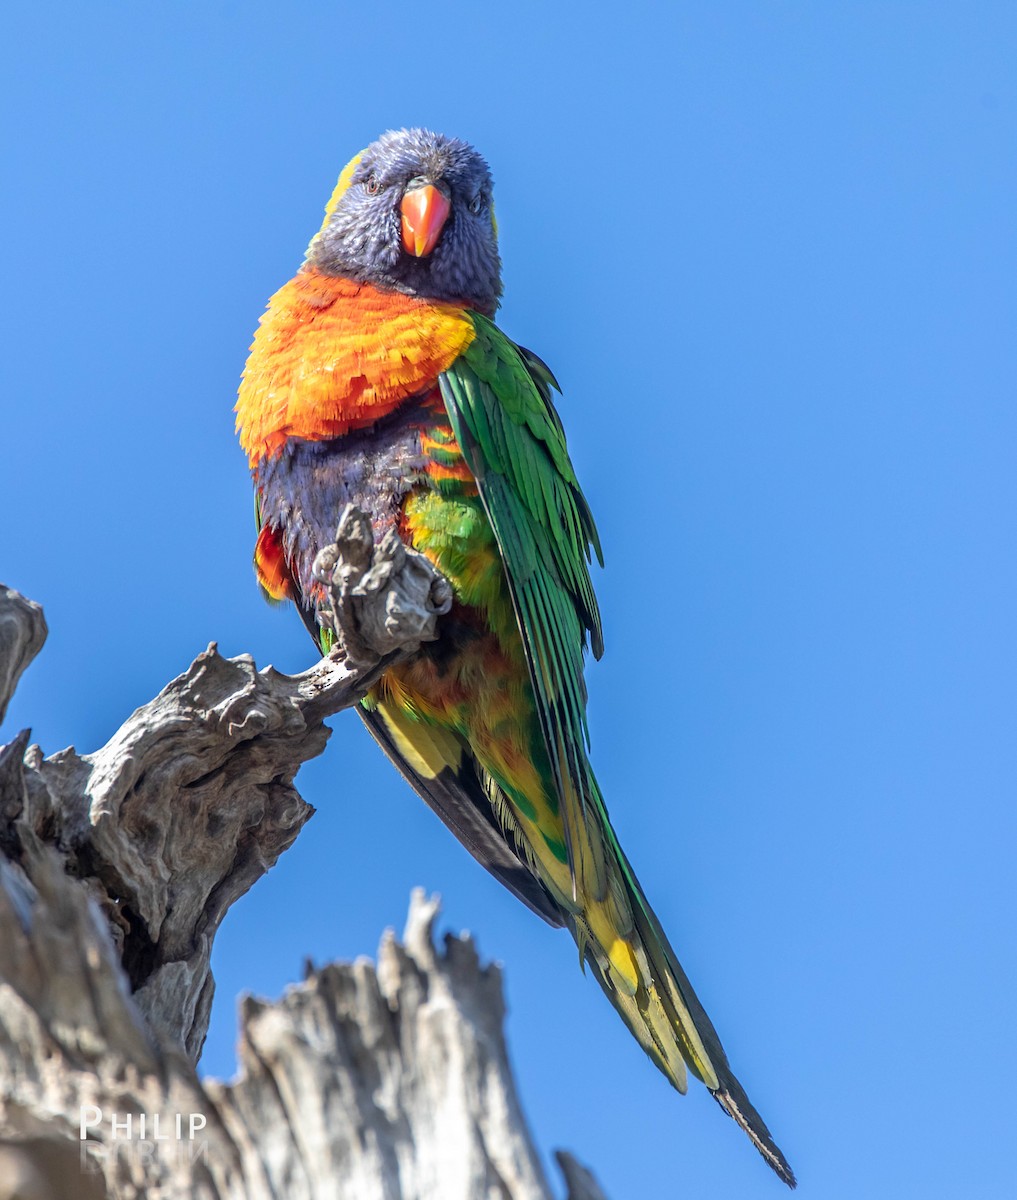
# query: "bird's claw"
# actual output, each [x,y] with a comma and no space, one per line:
[381,598]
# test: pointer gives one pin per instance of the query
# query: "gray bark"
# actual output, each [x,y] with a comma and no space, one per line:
[387,1082]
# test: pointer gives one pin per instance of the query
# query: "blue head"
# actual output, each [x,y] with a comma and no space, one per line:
[414,212]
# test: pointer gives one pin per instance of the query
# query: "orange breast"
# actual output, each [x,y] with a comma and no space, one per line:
[331,355]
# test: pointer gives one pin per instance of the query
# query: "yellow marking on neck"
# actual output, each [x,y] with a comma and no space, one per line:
[341,188]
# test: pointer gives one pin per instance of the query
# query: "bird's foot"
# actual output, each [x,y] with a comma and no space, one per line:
[381,598]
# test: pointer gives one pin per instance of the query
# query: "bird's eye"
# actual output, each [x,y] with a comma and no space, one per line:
[476,204]
[372,184]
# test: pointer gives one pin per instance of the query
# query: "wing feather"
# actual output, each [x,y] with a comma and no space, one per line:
[498,399]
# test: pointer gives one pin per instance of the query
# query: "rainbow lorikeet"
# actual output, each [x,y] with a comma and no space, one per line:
[378,377]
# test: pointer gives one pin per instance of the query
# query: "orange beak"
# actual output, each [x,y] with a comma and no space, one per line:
[425,211]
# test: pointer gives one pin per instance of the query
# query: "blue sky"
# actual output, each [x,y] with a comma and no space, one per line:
[769,250]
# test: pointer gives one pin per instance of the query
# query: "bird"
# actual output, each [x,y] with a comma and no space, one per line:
[378,377]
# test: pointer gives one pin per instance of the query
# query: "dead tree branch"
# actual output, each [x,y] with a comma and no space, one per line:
[116,869]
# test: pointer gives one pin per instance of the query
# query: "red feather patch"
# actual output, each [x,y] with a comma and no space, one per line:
[271,566]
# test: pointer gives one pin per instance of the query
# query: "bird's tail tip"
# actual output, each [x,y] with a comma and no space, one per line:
[736,1104]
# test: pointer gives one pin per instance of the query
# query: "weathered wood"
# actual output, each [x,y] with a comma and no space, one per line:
[22,634]
[116,869]
[408,1067]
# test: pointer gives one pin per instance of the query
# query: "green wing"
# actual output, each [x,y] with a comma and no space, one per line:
[498,398]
